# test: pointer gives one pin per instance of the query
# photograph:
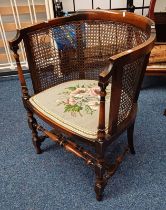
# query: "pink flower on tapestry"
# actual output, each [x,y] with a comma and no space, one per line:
[95,91]
[70,101]
[84,99]
[78,91]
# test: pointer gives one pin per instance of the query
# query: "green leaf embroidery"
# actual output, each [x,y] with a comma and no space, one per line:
[72,108]
[71,88]
[81,99]
[88,109]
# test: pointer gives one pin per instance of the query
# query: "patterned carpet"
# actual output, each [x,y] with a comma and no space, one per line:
[56,180]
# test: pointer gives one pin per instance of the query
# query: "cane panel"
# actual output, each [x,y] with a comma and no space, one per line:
[77,50]
[130,80]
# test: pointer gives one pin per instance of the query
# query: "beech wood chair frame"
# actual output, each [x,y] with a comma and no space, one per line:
[112,69]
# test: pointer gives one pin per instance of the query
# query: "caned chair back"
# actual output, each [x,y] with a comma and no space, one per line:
[82,46]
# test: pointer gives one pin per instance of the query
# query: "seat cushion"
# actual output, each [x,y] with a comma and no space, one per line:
[73,105]
[158,54]
[156,66]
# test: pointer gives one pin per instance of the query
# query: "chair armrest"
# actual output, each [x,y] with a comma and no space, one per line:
[14,46]
[106,73]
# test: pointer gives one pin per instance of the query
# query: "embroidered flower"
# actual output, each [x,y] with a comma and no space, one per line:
[95,91]
[78,91]
[81,99]
[72,101]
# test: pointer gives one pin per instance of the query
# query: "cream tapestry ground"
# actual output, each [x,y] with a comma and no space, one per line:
[74,105]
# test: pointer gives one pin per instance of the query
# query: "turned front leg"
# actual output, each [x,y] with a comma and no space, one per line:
[36,140]
[99,167]
[100,170]
[100,181]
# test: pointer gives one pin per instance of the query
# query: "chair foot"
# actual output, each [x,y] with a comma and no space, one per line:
[99,189]
[36,144]
[99,197]
[100,181]
[130,132]
[132,151]
[165,112]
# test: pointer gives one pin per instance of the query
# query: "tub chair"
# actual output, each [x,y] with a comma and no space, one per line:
[86,72]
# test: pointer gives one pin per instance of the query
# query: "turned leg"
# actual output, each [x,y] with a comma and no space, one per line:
[36,140]
[130,132]
[100,169]
[100,181]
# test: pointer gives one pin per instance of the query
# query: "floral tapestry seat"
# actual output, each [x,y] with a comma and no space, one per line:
[74,105]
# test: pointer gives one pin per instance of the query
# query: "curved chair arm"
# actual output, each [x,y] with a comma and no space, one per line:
[128,55]
[116,61]
[14,46]
[17,39]
[105,75]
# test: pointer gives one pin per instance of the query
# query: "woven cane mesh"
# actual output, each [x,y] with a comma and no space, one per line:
[130,80]
[78,50]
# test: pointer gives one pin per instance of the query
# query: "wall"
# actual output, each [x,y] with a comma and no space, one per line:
[160,6]
[103,4]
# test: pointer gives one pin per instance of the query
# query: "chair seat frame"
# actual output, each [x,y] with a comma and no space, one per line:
[96,160]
